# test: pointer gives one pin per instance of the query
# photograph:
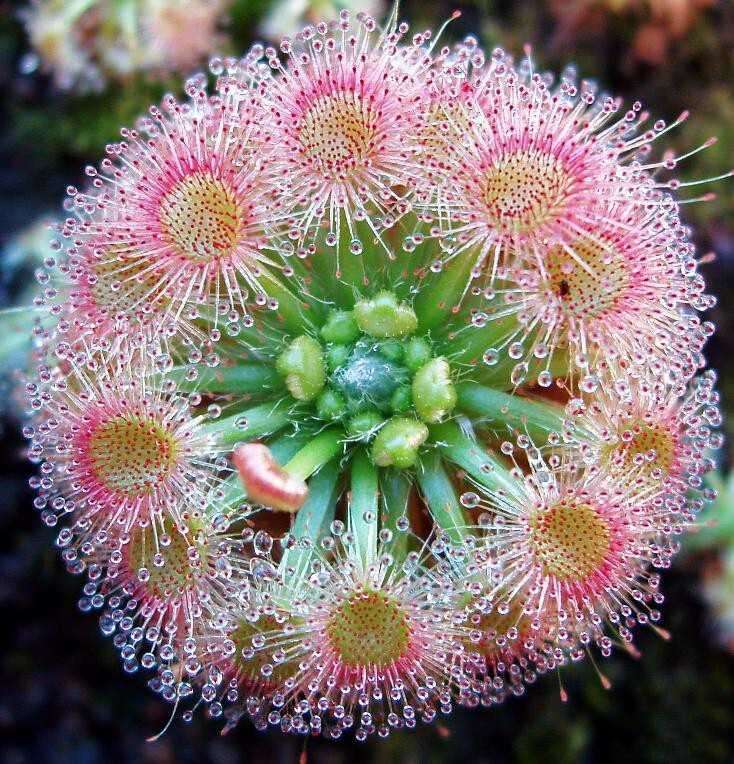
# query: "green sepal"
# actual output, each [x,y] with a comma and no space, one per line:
[471,456]
[336,356]
[331,405]
[340,327]
[418,352]
[401,400]
[303,367]
[384,316]
[398,441]
[364,423]
[393,350]
[434,394]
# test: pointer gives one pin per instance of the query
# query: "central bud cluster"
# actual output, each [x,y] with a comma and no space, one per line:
[372,372]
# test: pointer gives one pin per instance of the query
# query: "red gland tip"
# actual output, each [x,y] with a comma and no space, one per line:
[265,481]
[443,731]
[633,652]
[709,257]
[456,15]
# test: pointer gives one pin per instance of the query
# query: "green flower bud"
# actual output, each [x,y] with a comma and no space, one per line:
[393,350]
[303,367]
[384,316]
[434,395]
[368,379]
[331,404]
[340,327]
[417,353]
[337,356]
[401,399]
[397,443]
[364,423]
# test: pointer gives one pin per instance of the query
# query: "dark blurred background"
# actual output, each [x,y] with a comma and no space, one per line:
[71,72]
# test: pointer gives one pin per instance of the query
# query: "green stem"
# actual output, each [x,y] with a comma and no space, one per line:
[468,454]
[264,419]
[492,406]
[440,495]
[286,446]
[233,380]
[363,503]
[315,516]
[317,452]
[395,491]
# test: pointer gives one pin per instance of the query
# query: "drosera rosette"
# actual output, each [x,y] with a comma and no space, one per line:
[613,303]
[664,434]
[173,234]
[577,549]
[232,676]
[525,160]
[286,18]
[513,648]
[157,585]
[120,446]
[350,633]
[363,452]
[344,106]
[559,209]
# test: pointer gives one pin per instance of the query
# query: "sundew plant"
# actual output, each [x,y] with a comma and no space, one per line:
[369,382]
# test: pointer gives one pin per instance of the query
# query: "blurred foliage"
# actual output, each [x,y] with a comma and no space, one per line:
[64,698]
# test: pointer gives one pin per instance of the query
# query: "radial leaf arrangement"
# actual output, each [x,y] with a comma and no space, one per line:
[371,382]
